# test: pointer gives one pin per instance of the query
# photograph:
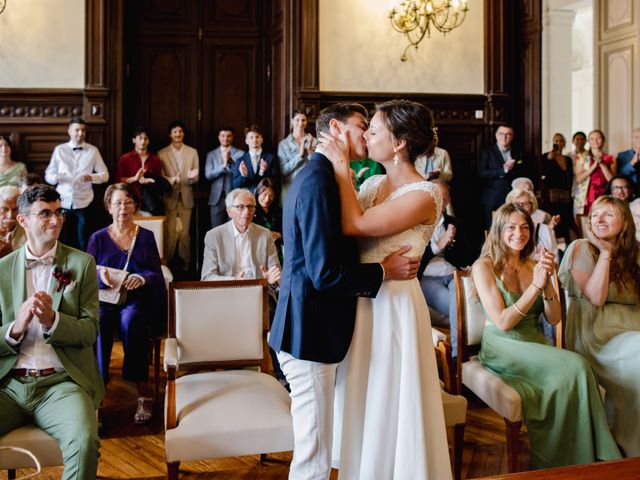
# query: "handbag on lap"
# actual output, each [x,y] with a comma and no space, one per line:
[117,294]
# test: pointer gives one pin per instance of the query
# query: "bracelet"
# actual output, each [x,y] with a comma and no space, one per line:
[536,287]
[518,310]
[550,299]
[609,258]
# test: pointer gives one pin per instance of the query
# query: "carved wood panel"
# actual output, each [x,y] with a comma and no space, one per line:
[231,93]
[165,76]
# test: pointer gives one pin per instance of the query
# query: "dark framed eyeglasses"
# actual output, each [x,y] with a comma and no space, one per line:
[46,214]
[240,208]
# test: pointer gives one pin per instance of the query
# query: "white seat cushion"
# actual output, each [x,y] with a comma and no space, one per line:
[229,413]
[30,437]
[492,390]
[455,409]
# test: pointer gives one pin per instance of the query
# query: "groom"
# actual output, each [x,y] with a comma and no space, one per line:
[321,279]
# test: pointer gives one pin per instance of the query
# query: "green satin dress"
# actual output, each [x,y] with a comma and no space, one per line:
[609,338]
[561,403]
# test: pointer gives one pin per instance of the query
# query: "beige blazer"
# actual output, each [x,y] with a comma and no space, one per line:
[220,252]
[184,188]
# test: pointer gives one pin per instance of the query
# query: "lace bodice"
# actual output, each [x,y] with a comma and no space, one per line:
[374,250]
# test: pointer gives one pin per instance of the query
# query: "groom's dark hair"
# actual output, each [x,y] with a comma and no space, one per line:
[339,111]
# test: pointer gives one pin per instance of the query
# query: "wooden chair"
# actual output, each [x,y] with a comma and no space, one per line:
[213,413]
[454,405]
[31,438]
[490,388]
[156,225]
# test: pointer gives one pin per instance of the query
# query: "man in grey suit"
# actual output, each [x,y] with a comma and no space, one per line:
[240,248]
[218,168]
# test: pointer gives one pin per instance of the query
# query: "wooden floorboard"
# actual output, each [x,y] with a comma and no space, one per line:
[131,451]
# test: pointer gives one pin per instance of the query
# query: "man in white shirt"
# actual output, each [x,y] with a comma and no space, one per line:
[74,167]
[48,326]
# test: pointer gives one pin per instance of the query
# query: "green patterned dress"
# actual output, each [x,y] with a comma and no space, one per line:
[561,403]
[609,338]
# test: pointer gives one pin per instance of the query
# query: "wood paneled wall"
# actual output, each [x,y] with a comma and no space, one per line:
[281,52]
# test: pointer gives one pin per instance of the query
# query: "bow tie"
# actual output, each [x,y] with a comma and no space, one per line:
[75,149]
[32,262]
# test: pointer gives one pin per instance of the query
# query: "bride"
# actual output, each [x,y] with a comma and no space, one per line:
[389,421]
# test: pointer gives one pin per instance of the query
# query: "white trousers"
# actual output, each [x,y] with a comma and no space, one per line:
[312,387]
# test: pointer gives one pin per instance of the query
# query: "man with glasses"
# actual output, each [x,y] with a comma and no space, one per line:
[74,167]
[498,166]
[12,235]
[622,188]
[239,248]
[48,326]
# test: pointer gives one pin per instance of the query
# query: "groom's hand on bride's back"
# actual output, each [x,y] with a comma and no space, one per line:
[397,266]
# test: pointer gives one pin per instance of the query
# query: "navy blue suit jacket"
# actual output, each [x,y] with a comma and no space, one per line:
[253,178]
[321,275]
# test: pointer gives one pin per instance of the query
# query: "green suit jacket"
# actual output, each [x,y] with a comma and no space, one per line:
[77,305]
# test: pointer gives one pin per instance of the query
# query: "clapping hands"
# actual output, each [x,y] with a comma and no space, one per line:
[543,268]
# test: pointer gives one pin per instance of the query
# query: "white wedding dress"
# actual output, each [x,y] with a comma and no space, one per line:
[389,421]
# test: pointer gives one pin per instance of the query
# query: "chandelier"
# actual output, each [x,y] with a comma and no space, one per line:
[415,18]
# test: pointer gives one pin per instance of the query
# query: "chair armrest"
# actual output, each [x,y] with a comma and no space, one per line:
[437,336]
[170,353]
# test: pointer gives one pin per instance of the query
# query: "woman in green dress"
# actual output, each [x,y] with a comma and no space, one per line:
[602,277]
[10,171]
[561,404]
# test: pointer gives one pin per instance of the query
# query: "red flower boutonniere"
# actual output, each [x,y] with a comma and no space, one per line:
[63,277]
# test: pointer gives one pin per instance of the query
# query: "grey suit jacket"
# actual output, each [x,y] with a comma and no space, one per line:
[170,168]
[221,176]
[220,253]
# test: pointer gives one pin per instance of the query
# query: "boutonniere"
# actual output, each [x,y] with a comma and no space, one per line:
[64,279]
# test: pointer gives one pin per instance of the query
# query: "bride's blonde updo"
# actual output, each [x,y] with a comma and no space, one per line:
[412,122]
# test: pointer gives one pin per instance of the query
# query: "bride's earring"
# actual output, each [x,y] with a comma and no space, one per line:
[396,160]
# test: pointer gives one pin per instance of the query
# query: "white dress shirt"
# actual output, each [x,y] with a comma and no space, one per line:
[35,352]
[68,166]
[243,262]
[255,159]
[438,266]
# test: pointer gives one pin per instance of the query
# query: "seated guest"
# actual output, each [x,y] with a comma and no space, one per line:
[255,164]
[436,166]
[543,234]
[602,277]
[49,324]
[10,171]
[29,180]
[240,248]
[561,402]
[621,187]
[538,215]
[218,167]
[12,235]
[143,170]
[268,215]
[144,312]
[634,206]
[445,253]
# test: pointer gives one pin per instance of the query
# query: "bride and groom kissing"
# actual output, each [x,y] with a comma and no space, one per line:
[352,328]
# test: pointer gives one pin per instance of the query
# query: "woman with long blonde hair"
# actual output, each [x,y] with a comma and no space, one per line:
[602,276]
[561,404]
